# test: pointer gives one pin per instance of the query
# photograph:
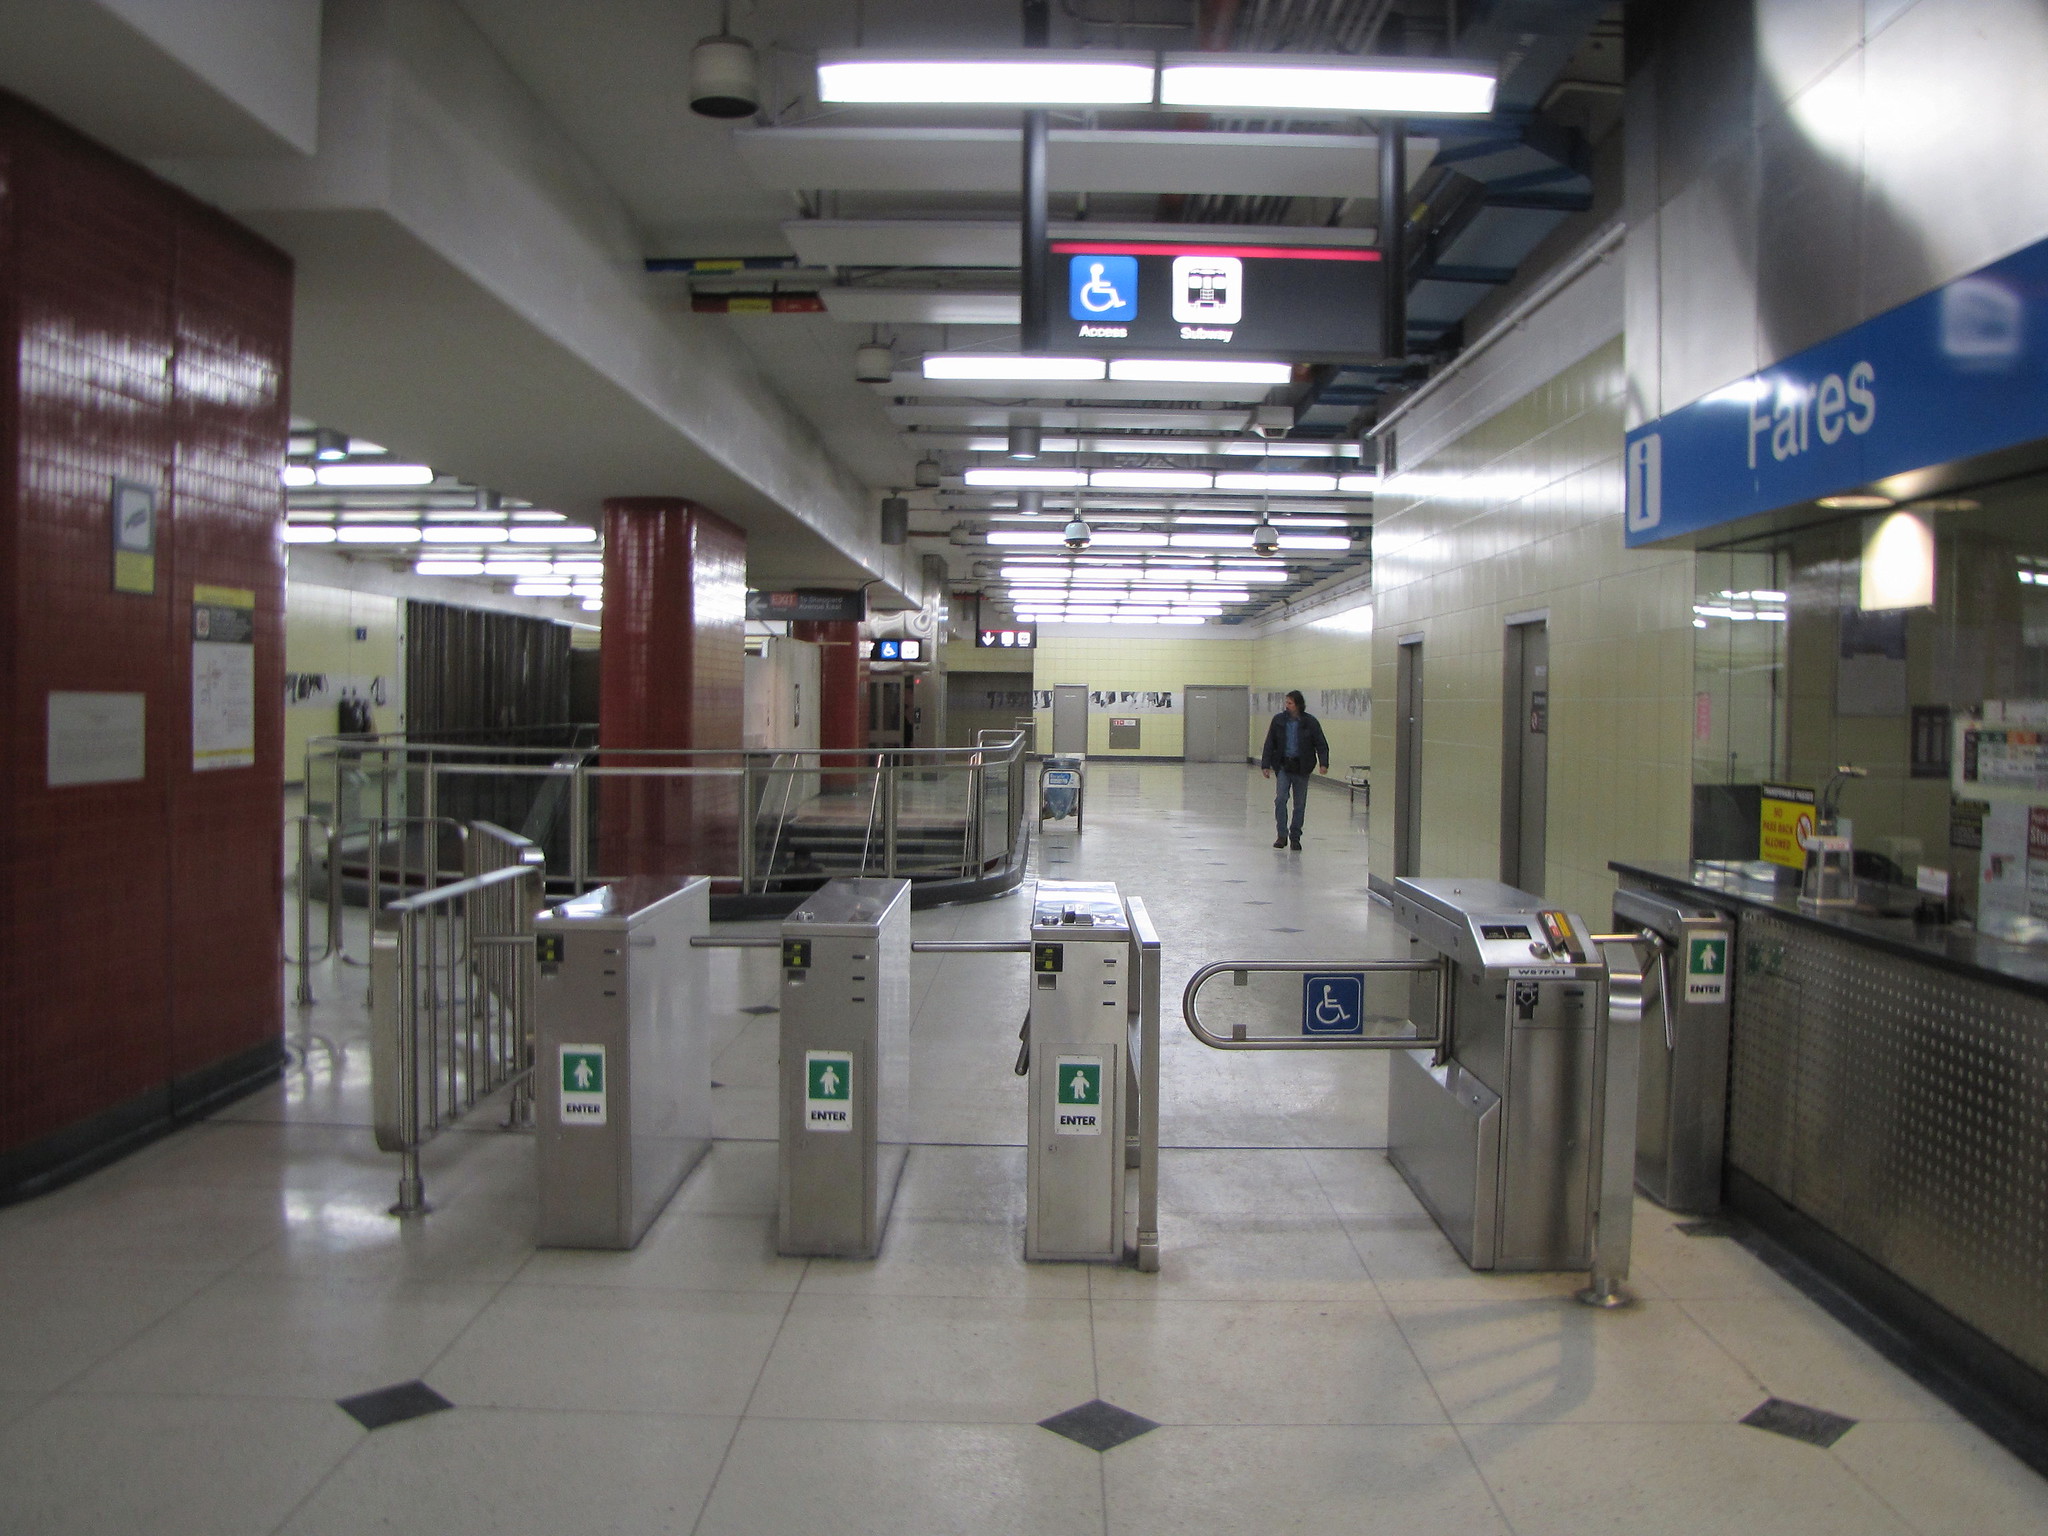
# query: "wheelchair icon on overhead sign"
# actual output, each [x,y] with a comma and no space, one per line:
[1333,1003]
[1102,288]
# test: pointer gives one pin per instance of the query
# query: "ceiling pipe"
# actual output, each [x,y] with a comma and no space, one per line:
[1394,235]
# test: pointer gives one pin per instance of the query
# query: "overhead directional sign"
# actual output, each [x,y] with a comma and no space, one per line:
[1279,303]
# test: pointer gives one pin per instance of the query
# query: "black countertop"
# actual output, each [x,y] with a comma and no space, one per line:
[1947,947]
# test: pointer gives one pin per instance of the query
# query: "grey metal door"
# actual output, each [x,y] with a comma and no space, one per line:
[1525,755]
[1070,717]
[1215,720]
[1408,760]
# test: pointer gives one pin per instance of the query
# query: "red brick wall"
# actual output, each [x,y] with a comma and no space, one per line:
[675,583]
[139,922]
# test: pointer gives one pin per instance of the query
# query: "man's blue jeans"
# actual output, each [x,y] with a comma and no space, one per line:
[1284,784]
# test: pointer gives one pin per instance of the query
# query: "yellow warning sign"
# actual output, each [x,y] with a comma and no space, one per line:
[1785,825]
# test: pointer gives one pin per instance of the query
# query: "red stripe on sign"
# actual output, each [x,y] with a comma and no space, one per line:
[1263,252]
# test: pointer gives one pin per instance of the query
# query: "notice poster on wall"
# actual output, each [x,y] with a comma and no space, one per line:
[223,678]
[2012,873]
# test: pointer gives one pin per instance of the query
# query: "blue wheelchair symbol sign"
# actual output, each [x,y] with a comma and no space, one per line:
[1333,1003]
[1102,288]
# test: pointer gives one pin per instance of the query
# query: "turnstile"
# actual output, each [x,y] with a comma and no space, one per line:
[1494,1129]
[622,1057]
[1682,1111]
[845,1070]
[1081,1013]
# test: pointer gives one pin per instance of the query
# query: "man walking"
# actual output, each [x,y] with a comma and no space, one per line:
[1295,746]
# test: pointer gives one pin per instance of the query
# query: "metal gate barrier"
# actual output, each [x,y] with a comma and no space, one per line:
[1626,969]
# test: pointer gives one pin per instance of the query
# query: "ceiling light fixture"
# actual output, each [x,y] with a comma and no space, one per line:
[927,475]
[1856,501]
[1150,480]
[1197,370]
[1327,83]
[1036,77]
[450,533]
[1019,479]
[874,363]
[372,533]
[1266,538]
[374,475]
[724,82]
[1001,367]
[298,476]
[309,534]
[1076,535]
[1024,441]
[1279,482]
[448,568]
[1030,503]
[567,534]
[329,445]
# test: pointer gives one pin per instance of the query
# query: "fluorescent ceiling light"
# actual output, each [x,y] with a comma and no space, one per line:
[1366,483]
[996,366]
[1898,563]
[540,589]
[570,534]
[518,568]
[1329,83]
[593,604]
[1212,541]
[1312,541]
[1281,482]
[1022,78]
[371,533]
[448,568]
[1021,479]
[1151,480]
[1196,370]
[319,533]
[298,476]
[539,517]
[451,533]
[1115,538]
[1293,450]
[374,474]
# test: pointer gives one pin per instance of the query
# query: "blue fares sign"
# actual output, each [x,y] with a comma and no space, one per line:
[1957,372]
[1333,1003]
[1102,288]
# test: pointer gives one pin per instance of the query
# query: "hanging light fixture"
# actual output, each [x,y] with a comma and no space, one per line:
[724,82]
[1024,441]
[928,474]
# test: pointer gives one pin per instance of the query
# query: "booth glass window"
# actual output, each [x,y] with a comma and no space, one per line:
[1832,644]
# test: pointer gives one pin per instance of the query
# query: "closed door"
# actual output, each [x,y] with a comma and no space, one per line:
[1408,760]
[1070,717]
[1216,723]
[1525,755]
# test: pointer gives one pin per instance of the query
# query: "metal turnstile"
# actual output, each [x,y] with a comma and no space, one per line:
[1080,1051]
[845,1069]
[1062,788]
[1682,1110]
[622,1057]
[1494,1132]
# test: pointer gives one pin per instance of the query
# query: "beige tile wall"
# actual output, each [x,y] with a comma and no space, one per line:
[1146,659]
[319,636]
[1524,512]
[1309,658]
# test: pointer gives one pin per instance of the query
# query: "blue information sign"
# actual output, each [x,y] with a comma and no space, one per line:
[1333,1003]
[1957,372]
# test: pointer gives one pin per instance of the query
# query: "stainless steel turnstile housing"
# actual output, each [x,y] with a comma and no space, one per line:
[1081,958]
[845,1067]
[1682,1113]
[622,1058]
[1494,1128]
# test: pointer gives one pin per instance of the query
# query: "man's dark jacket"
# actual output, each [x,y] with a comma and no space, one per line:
[1315,746]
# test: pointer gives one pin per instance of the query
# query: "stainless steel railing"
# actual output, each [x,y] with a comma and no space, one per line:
[451,1004]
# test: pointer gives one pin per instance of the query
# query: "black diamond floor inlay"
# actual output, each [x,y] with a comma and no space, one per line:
[1707,1226]
[758,1009]
[1816,1426]
[1098,1425]
[394,1405]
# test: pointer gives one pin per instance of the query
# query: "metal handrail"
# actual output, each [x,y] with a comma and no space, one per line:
[1239,1040]
[452,1007]
[305,960]
[1146,951]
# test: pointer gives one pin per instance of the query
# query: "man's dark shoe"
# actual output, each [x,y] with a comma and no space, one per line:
[1281,842]
[1294,843]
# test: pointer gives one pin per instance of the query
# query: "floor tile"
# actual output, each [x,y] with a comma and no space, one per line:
[485,1472]
[269,1336]
[985,1182]
[683,1250]
[1543,1360]
[868,1479]
[1703,1479]
[471,1236]
[1239,1183]
[1219,1362]
[1410,1259]
[928,1358]
[136,1227]
[736,1178]
[167,1466]
[1359,1181]
[1947,1479]
[596,1347]
[55,1323]
[948,1256]
[1253,1258]
[1798,1352]
[1706,1268]
[1383,1480]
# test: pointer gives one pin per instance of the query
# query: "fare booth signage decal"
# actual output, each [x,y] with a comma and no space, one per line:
[1955,373]
[1278,303]
[1786,824]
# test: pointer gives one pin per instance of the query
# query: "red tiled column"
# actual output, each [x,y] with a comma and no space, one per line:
[674,623]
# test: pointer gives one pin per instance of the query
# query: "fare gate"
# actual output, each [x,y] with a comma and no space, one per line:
[1512,1091]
